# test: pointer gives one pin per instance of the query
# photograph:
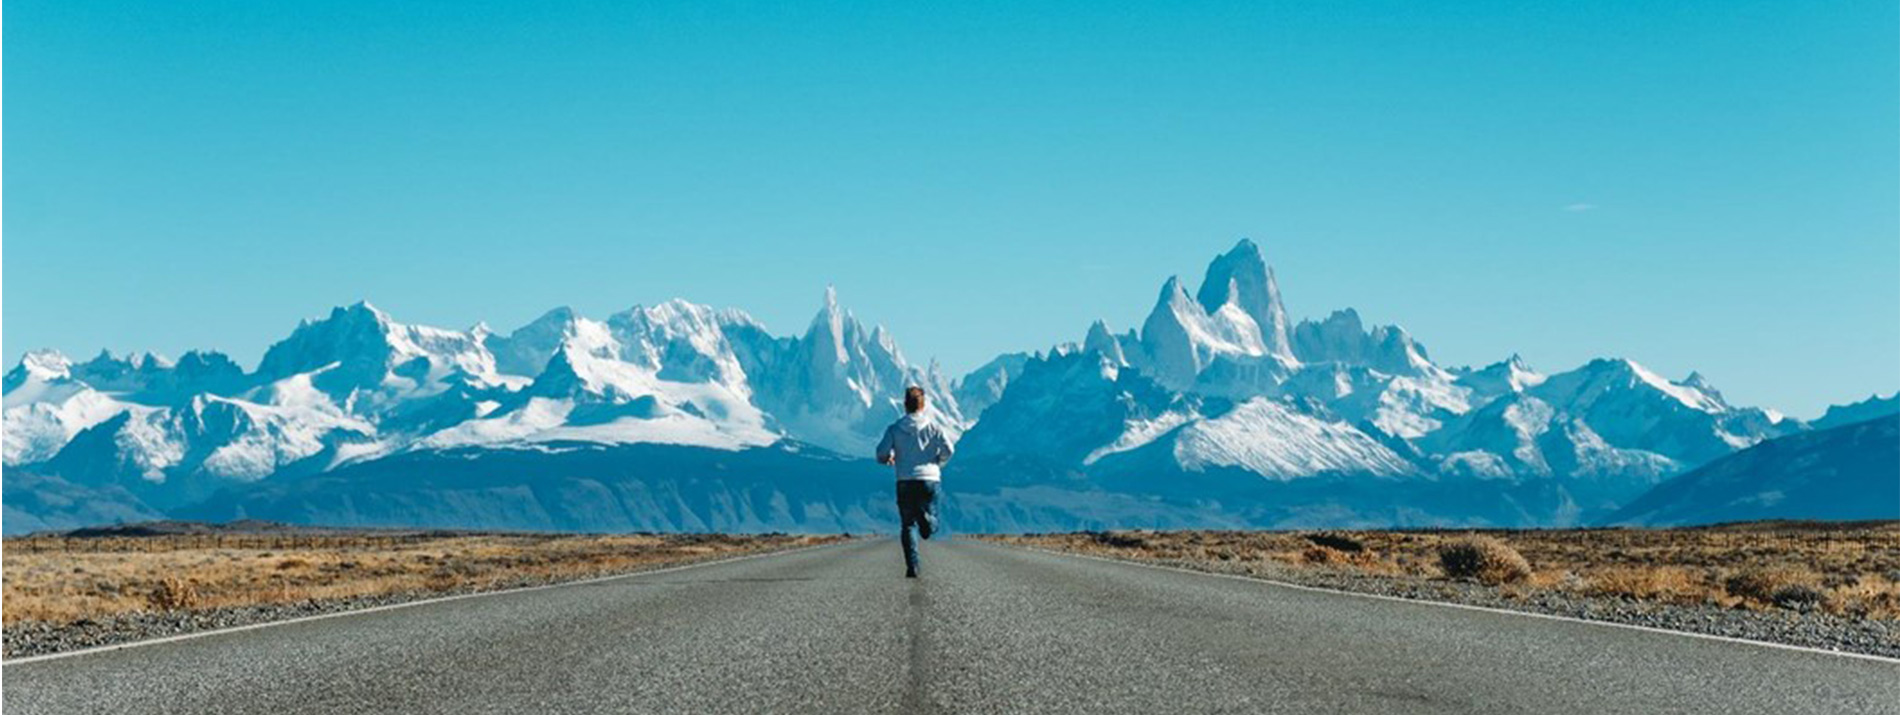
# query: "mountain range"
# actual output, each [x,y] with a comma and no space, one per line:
[1219,410]
[1842,473]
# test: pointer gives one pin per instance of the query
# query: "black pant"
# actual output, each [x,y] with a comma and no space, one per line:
[916,507]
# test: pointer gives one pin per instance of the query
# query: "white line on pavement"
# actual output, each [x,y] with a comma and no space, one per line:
[394,606]
[1465,606]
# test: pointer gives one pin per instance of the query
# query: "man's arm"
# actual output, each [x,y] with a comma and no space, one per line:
[886,449]
[944,448]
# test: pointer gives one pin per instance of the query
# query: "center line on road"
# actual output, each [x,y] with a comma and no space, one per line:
[916,691]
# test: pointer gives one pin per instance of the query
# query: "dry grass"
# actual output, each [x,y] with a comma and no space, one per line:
[1673,584]
[63,580]
[1845,569]
[1483,558]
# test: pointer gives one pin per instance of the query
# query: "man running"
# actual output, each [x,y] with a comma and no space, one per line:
[917,448]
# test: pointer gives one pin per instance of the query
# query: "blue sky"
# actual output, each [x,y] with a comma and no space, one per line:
[1706,186]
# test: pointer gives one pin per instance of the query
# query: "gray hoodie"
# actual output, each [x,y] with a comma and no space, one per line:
[915,446]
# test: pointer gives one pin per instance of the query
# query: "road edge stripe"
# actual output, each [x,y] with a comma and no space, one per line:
[406,604]
[1465,606]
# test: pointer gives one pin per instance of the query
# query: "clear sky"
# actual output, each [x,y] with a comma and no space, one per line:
[1710,186]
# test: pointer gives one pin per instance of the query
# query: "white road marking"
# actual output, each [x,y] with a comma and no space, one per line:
[1124,562]
[1465,606]
[404,604]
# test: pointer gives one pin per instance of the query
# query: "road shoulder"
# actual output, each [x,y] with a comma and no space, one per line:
[1866,638]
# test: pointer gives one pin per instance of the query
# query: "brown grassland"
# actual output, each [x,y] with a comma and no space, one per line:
[1850,570]
[60,580]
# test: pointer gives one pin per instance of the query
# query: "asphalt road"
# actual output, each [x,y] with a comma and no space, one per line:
[988,629]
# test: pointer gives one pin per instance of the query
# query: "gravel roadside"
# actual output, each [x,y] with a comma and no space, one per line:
[32,638]
[1809,629]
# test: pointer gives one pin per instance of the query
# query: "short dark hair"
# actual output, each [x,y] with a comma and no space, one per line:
[913,399]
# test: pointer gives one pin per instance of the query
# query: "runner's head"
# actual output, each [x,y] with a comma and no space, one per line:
[914,399]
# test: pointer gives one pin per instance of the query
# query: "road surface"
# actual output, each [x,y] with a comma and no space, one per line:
[988,629]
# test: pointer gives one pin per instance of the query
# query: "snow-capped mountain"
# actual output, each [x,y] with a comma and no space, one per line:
[372,365]
[1609,430]
[1068,409]
[358,386]
[1218,409]
[985,385]
[1218,387]
[1342,338]
[46,406]
[663,374]
[175,454]
[1507,377]
[838,385]
[1275,440]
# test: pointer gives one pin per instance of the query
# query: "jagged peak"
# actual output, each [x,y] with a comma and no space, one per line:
[1634,373]
[560,374]
[360,313]
[1621,368]
[883,339]
[358,334]
[43,363]
[1174,295]
[830,315]
[1347,318]
[735,316]
[1173,286]
[1392,335]
[1698,382]
[46,357]
[1100,340]
[1513,365]
[132,361]
[204,358]
[1511,374]
[560,319]
[676,314]
[525,350]
[1613,364]
[680,307]
[362,307]
[1173,307]
[1241,278]
[830,326]
[1227,274]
